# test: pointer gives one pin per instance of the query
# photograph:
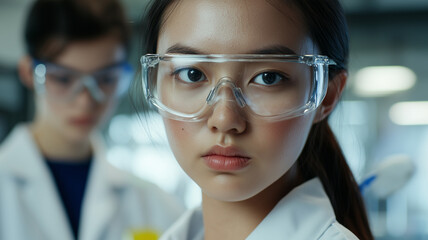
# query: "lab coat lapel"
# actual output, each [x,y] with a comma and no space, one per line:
[307,205]
[44,205]
[102,198]
[37,188]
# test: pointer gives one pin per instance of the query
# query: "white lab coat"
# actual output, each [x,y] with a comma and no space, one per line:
[303,214]
[114,202]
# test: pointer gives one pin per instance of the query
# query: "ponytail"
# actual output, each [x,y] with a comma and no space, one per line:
[322,157]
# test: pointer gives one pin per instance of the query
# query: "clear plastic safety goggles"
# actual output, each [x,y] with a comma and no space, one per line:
[272,87]
[64,84]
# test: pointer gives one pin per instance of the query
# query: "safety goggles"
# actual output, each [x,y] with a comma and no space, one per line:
[273,87]
[64,84]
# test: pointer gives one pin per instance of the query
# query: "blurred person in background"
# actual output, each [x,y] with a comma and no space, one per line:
[55,182]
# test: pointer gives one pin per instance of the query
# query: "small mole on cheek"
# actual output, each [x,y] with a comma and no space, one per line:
[182,129]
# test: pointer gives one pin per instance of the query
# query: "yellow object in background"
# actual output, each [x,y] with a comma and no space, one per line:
[142,234]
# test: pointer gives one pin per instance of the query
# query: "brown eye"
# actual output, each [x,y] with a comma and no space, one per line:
[190,75]
[62,79]
[268,78]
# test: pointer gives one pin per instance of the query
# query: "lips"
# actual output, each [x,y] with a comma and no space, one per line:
[226,159]
[82,121]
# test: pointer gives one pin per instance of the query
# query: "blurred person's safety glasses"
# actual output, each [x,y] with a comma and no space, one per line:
[273,87]
[64,84]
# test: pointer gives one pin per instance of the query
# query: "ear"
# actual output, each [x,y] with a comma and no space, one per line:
[25,71]
[334,91]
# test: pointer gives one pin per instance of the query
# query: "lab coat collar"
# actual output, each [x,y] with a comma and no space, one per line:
[22,159]
[26,163]
[307,205]
[105,185]
[303,213]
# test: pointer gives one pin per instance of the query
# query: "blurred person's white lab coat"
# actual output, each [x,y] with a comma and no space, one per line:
[115,203]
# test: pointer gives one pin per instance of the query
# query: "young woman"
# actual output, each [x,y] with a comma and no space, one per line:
[245,89]
[55,182]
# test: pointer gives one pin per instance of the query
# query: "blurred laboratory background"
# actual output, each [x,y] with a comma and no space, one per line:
[382,121]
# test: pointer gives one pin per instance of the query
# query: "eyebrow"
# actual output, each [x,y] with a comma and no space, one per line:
[274,49]
[67,68]
[181,49]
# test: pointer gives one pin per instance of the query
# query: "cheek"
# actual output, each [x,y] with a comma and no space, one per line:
[283,141]
[51,109]
[180,137]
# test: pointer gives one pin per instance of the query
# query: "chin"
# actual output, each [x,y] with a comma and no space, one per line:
[223,189]
[79,134]
[229,196]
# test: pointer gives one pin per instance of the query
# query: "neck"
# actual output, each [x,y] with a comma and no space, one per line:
[230,220]
[55,145]
[236,220]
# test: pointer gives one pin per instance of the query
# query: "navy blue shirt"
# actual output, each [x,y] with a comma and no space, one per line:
[70,179]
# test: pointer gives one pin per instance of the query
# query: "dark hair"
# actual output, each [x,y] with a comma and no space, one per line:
[322,156]
[52,24]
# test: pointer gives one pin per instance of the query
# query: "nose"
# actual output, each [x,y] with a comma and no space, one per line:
[215,94]
[87,94]
[84,99]
[90,84]
[227,115]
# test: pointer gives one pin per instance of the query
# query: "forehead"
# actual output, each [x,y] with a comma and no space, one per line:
[234,26]
[91,55]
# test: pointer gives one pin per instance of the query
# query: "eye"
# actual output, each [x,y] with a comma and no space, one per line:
[269,78]
[63,79]
[107,79]
[190,75]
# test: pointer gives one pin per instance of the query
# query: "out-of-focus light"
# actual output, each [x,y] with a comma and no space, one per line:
[148,129]
[353,113]
[158,165]
[383,80]
[119,129]
[409,113]
[40,70]
[120,157]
